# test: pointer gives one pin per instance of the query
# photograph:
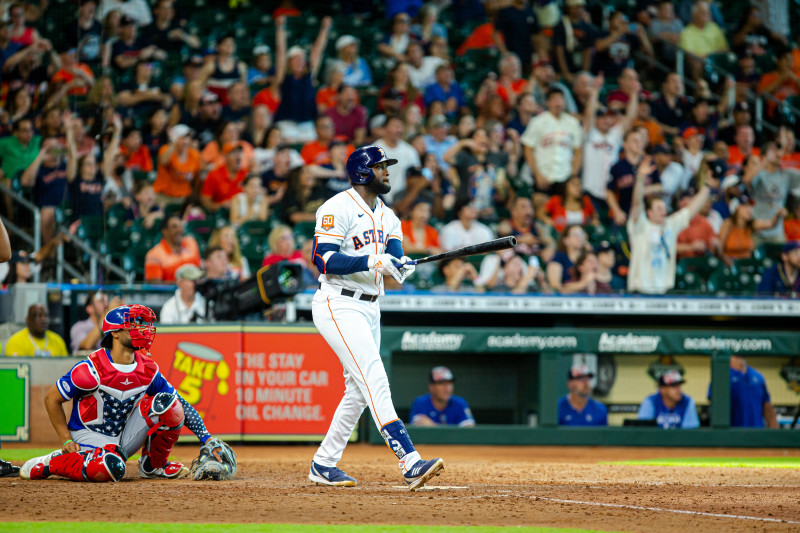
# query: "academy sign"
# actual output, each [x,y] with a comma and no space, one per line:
[433,341]
[629,343]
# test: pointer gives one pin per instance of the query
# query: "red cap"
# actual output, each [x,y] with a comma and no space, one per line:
[542,63]
[230,147]
[690,132]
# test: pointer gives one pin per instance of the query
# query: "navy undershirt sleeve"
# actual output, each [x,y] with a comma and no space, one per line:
[193,421]
[395,248]
[338,263]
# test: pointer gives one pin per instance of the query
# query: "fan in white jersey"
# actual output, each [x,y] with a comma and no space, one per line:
[357,241]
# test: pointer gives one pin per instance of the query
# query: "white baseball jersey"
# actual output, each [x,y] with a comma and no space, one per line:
[553,141]
[346,220]
[600,152]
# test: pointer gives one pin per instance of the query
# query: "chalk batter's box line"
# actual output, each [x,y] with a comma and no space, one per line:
[238,437]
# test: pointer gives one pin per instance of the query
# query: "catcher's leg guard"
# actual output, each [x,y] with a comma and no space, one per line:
[164,415]
[101,464]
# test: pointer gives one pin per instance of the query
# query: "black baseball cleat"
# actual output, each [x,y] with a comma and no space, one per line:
[8,470]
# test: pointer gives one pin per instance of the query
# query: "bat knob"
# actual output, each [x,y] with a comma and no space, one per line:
[512,241]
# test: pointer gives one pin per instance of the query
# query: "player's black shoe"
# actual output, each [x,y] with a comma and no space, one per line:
[8,470]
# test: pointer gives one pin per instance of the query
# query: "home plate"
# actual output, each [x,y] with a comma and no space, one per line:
[433,487]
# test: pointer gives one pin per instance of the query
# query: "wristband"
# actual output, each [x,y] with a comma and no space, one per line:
[67,442]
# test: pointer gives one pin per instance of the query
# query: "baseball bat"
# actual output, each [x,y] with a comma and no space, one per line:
[475,249]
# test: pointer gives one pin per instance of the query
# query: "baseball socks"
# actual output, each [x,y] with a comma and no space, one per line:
[399,442]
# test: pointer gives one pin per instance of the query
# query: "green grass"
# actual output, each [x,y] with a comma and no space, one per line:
[23,454]
[88,527]
[736,462]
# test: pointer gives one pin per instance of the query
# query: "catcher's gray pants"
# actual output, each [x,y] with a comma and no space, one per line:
[132,438]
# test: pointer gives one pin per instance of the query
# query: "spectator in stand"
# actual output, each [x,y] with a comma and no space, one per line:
[17,152]
[671,109]
[259,127]
[283,248]
[741,117]
[179,167]
[754,36]
[438,140]
[304,195]
[456,272]
[446,90]
[514,275]
[665,29]
[606,277]
[250,204]
[316,152]
[582,90]
[144,206]
[702,37]
[784,277]
[215,264]
[571,244]
[583,276]
[428,26]
[224,182]
[394,44]
[137,156]
[577,408]
[421,67]
[270,96]
[465,230]
[276,178]
[36,340]
[356,70]
[602,142]
[85,181]
[524,111]
[47,175]
[781,83]
[669,407]
[349,118]
[396,148]
[750,400]
[228,133]
[440,407]
[137,10]
[672,175]
[517,30]
[20,106]
[572,207]
[622,179]
[698,239]
[186,306]
[653,235]
[261,73]
[19,32]
[790,157]
[130,49]
[336,168]
[573,40]
[7,47]
[770,190]
[166,33]
[296,80]
[644,120]
[73,78]
[744,147]
[552,144]
[616,47]
[419,237]
[238,108]
[86,334]
[226,239]
[188,102]
[85,34]
[209,120]
[173,251]
[543,79]
[225,70]
[510,83]
[398,91]
[791,224]
[522,225]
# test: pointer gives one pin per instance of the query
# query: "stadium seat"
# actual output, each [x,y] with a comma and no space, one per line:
[768,250]
[303,231]
[702,267]
[726,280]
[200,229]
[689,282]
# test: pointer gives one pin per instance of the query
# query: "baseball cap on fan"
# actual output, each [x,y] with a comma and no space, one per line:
[189,272]
[579,371]
[440,374]
[670,378]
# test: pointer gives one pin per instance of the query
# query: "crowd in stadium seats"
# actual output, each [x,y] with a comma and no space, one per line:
[641,146]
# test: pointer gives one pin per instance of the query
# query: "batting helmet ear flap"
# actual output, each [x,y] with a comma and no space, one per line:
[360,162]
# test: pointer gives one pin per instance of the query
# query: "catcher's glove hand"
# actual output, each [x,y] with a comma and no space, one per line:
[217,461]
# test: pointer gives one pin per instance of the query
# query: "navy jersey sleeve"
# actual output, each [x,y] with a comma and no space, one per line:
[193,421]
[159,384]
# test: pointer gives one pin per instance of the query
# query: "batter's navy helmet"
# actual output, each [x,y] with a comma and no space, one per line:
[360,161]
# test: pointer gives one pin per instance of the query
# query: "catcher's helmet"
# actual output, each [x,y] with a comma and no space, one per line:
[137,319]
[360,161]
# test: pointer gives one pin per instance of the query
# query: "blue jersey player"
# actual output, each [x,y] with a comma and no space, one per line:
[440,406]
[577,408]
[120,403]
[669,407]
[750,400]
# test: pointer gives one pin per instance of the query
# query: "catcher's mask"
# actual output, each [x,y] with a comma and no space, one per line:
[137,319]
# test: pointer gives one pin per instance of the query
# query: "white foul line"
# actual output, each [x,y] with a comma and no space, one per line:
[679,511]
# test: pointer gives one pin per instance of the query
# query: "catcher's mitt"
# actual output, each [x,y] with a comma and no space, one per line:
[217,461]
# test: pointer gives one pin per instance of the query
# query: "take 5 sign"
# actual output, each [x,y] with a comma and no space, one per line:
[253,381]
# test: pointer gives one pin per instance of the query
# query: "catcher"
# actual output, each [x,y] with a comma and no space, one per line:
[121,403]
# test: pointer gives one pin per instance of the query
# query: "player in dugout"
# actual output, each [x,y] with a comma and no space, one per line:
[670,407]
[121,403]
[577,408]
[440,406]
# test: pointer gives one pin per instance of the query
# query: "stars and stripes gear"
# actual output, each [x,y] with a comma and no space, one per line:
[137,319]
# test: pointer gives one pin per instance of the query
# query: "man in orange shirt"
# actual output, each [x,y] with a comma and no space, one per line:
[178,167]
[224,182]
[698,238]
[174,251]
[78,76]
[317,152]
[745,139]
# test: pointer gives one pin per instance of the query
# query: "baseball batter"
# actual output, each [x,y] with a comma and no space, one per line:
[357,241]
[121,403]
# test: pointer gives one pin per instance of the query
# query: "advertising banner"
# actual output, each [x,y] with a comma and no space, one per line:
[252,381]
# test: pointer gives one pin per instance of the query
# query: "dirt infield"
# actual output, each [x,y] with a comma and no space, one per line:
[508,486]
